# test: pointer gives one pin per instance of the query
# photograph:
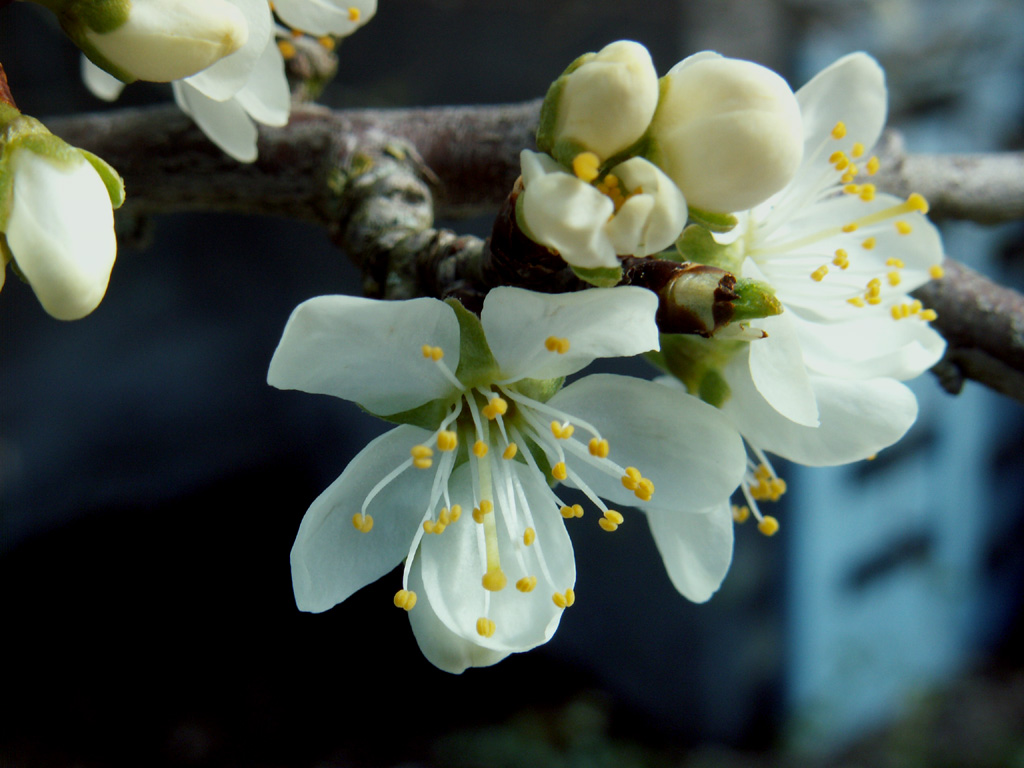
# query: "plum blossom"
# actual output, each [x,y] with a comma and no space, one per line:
[462,490]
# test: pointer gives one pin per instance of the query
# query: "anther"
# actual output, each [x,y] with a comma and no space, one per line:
[839,130]
[556,344]
[842,259]
[529,536]
[564,600]
[354,14]
[456,512]
[851,227]
[894,278]
[768,525]
[598,447]
[903,228]
[496,407]
[421,456]
[819,274]
[836,156]
[645,490]
[447,440]
[485,627]
[559,472]
[928,315]
[494,580]
[740,514]
[327,42]
[857,150]
[917,203]
[562,431]
[936,272]
[526,584]
[428,526]
[585,166]
[405,598]
[872,166]
[868,243]
[867,192]
[856,301]
[287,49]
[894,263]
[611,520]
[480,449]
[510,451]
[568,513]
[432,353]
[631,480]
[362,523]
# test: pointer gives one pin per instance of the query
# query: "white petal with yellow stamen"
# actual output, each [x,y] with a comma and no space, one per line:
[326,17]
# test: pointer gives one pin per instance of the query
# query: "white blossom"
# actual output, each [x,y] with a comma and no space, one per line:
[486,429]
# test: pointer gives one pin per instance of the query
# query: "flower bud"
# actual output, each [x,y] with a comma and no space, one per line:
[728,132]
[603,103]
[156,40]
[56,218]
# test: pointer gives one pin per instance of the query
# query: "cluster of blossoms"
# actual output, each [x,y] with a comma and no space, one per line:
[244,82]
[719,163]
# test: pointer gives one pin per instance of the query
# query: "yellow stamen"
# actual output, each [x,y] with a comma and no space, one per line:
[894,263]
[559,472]
[611,520]
[556,344]
[856,301]
[868,244]
[836,156]
[819,274]
[447,440]
[564,600]
[598,447]
[562,431]
[485,627]
[405,598]
[362,523]
[529,536]
[852,227]
[903,228]
[842,259]
[432,353]
[645,490]
[287,49]
[421,456]
[585,166]
[894,278]
[936,272]
[928,315]
[526,584]
[867,192]
[631,480]
[858,149]
[510,451]
[839,130]
[851,189]
[872,166]
[327,42]
[480,449]
[917,203]
[495,580]
[354,14]
[769,526]
[428,526]
[740,514]
[496,407]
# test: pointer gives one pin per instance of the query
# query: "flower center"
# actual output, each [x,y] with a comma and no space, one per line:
[505,436]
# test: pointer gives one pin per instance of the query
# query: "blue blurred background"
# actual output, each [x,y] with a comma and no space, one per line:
[151,483]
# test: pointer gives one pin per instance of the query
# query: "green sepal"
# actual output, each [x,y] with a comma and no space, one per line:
[99,17]
[756,300]
[716,222]
[111,179]
[696,243]
[698,363]
[565,151]
[540,390]
[602,277]
[427,416]
[549,109]
[477,365]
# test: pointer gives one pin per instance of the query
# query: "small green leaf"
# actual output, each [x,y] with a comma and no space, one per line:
[428,416]
[602,277]
[477,365]
[716,222]
[698,244]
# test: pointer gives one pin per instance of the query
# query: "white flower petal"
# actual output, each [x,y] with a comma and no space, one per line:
[442,647]
[266,96]
[225,123]
[453,569]
[871,346]
[100,83]
[687,448]
[599,322]
[60,231]
[660,222]
[330,558]
[326,17]
[858,418]
[228,76]
[568,215]
[777,369]
[367,351]
[696,548]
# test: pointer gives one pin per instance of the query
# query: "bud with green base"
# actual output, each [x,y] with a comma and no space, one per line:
[56,216]
[727,132]
[155,40]
[602,103]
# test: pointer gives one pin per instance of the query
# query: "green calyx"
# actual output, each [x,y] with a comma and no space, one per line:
[549,109]
[602,277]
[79,17]
[756,300]
[696,243]
[698,363]
[716,222]
[477,366]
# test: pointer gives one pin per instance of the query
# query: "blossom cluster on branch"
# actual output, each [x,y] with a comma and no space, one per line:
[713,220]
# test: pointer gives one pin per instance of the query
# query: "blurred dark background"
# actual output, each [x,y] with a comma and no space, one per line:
[151,483]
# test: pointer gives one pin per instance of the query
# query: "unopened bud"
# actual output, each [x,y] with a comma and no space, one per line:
[727,131]
[603,103]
